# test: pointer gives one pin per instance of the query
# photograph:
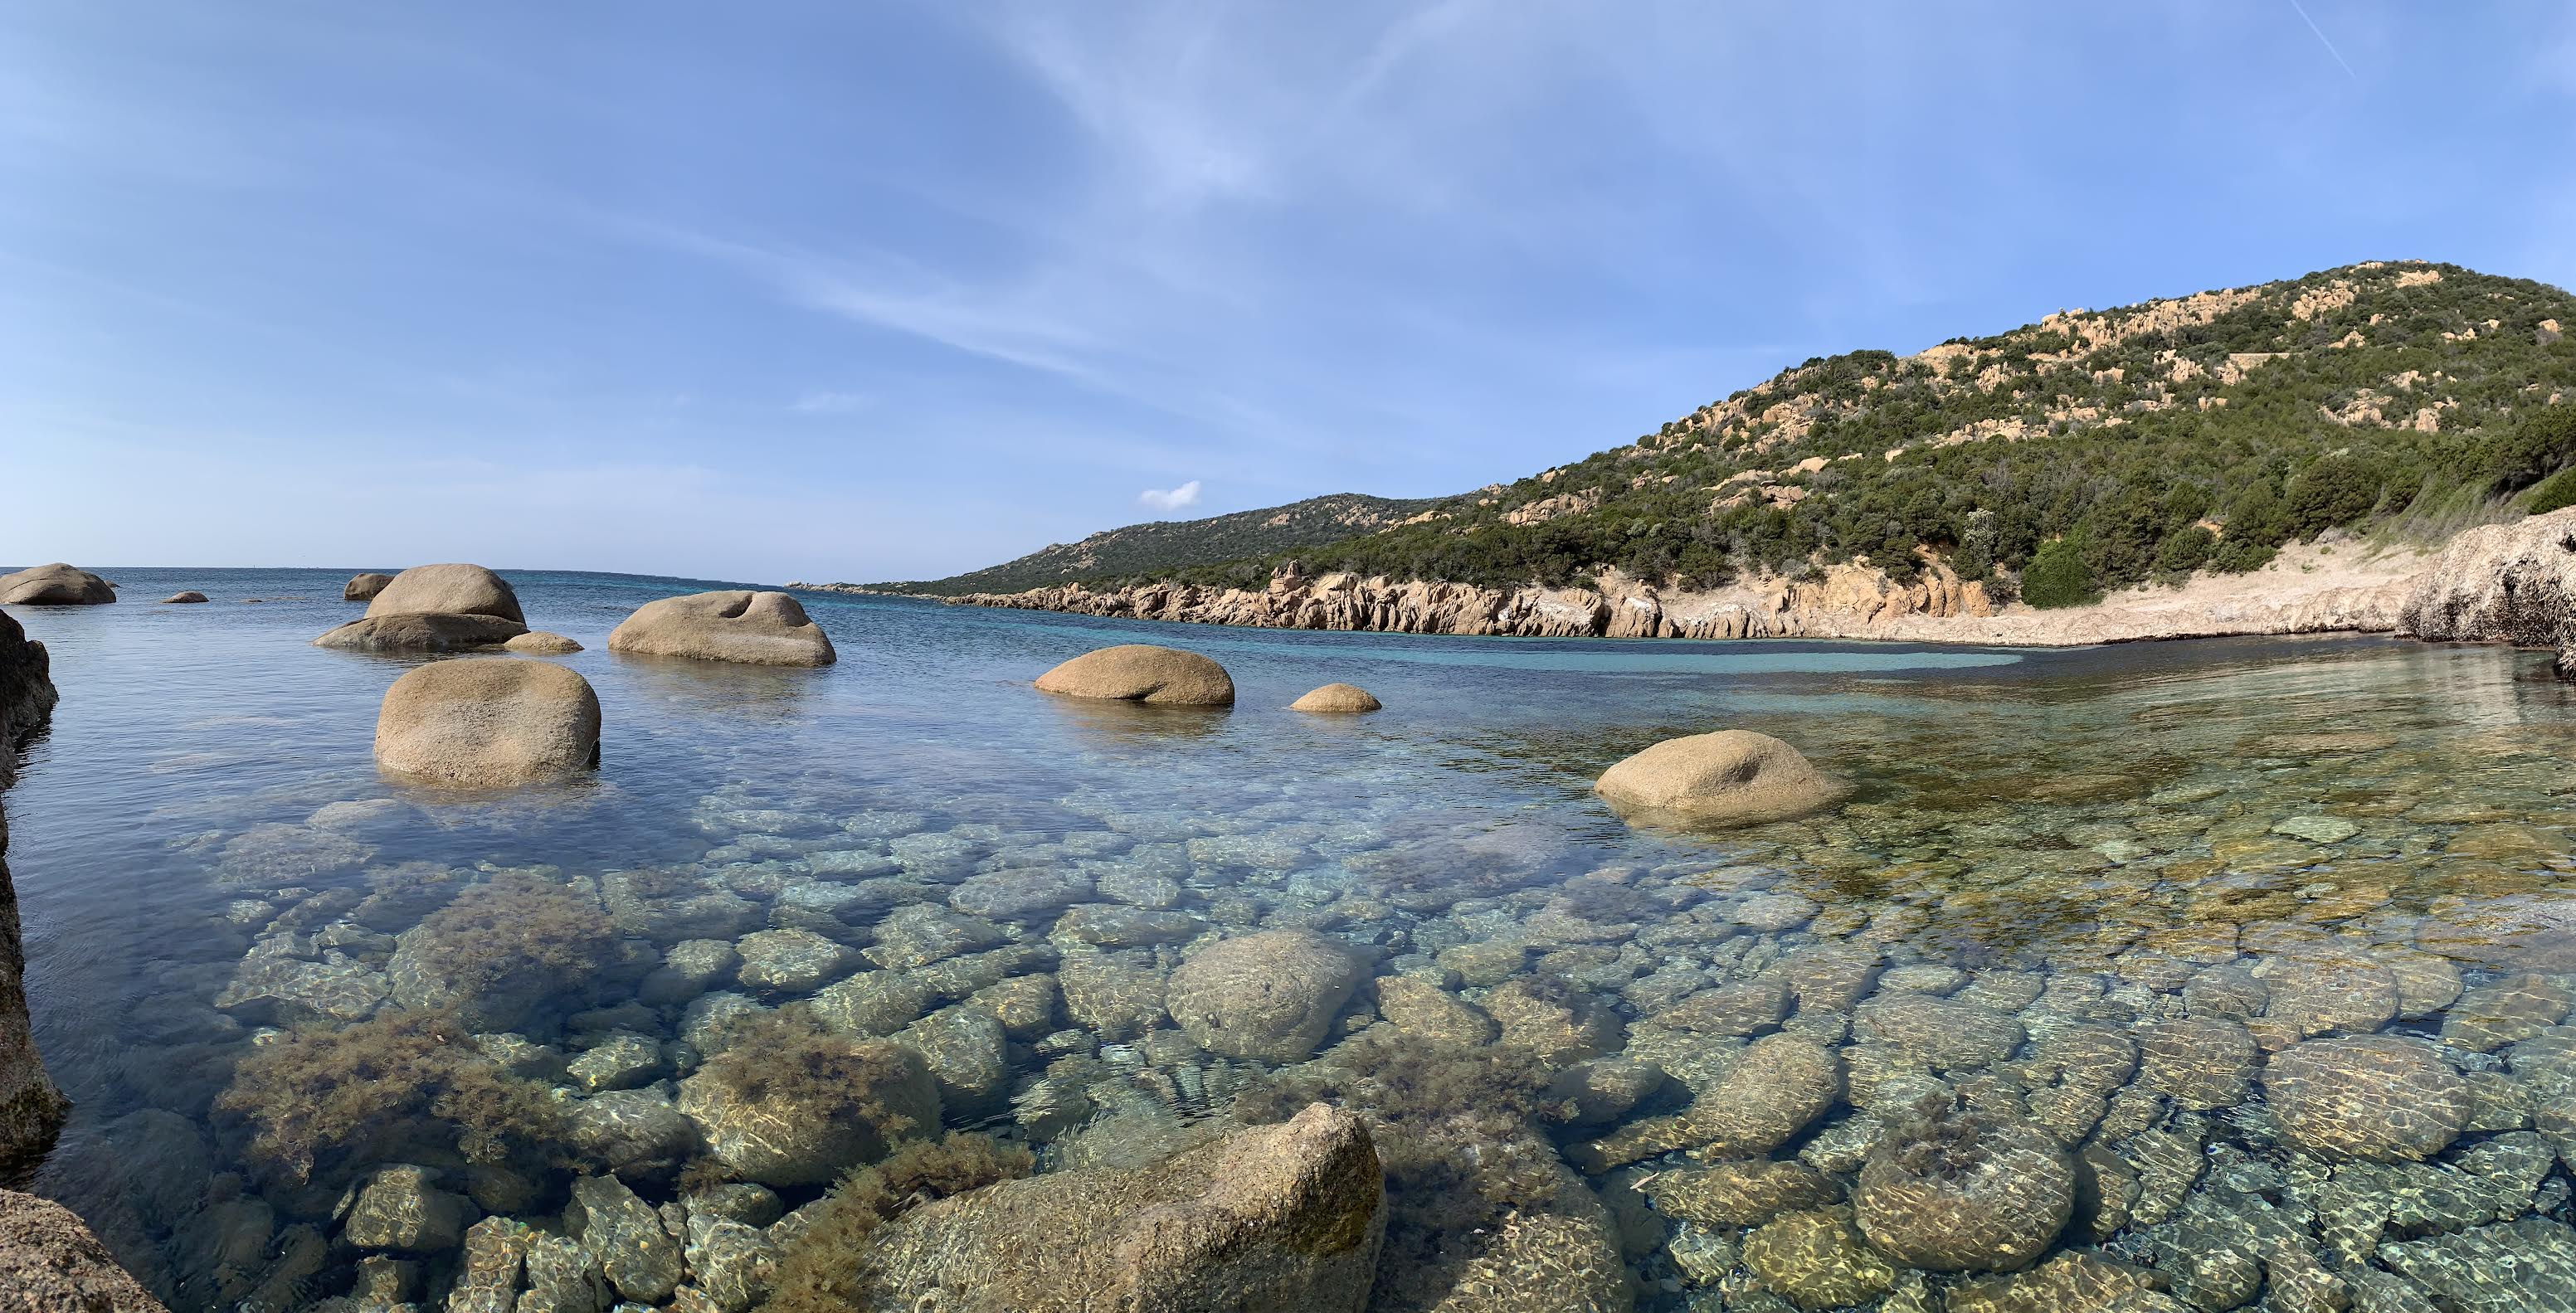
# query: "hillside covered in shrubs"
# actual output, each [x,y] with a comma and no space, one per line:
[2091,450]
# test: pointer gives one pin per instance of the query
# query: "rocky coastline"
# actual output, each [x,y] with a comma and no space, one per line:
[2500,583]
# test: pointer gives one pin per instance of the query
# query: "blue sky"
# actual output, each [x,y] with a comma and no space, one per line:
[858,291]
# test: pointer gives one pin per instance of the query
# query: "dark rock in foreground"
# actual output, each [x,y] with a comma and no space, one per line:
[50,1263]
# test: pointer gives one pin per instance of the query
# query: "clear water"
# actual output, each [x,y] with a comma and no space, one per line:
[2085,847]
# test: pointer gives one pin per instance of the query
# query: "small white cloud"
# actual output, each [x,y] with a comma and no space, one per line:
[830,403]
[1172,500]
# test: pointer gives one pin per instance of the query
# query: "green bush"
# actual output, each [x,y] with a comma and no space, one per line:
[2336,489]
[2537,446]
[2556,492]
[2185,549]
[2059,577]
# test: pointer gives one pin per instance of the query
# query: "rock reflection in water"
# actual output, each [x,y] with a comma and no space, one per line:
[2113,988]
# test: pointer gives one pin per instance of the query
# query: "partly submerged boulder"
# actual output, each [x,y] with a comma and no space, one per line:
[425,632]
[760,629]
[364,587]
[538,642]
[2499,583]
[1142,672]
[488,721]
[49,1261]
[447,590]
[1731,777]
[1269,996]
[1337,698]
[190,595]
[55,585]
[1274,1219]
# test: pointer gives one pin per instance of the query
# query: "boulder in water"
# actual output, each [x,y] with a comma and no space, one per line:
[424,632]
[1731,777]
[190,595]
[1273,1219]
[488,721]
[1957,1192]
[448,590]
[2385,1098]
[364,587]
[537,642]
[1142,672]
[55,585]
[759,629]
[1337,698]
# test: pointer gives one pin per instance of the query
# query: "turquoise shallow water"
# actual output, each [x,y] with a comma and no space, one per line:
[2135,880]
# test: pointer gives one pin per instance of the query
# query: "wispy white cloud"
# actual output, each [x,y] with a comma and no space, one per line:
[1171,499]
[832,403]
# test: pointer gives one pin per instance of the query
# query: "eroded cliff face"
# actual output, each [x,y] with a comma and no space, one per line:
[2502,583]
[31,1109]
[1842,601]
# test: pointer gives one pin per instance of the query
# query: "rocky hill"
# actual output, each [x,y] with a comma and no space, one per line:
[2087,452]
[1148,549]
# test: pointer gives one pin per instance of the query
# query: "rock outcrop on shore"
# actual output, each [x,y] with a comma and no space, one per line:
[55,585]
[2501,583]
[738,625]
[50,1263]
[30,1107]
[1275,1219]
[1142,672]
[488,721]
[447,590]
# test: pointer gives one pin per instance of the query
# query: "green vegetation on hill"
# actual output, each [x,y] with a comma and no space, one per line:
[2086,452]
[1147,549]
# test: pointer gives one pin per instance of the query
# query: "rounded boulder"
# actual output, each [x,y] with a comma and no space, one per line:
[759,629]
[1337,698]
[190,595]
[487,722]
[447,590]
[1269,996]
[364,587]
[537,642]
[1955,1192]
[2385,1098]
[1142,672]
[424,632]
[1731,777]
[55,585]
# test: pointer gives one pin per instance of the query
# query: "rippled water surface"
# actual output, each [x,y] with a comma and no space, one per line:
[2182,976]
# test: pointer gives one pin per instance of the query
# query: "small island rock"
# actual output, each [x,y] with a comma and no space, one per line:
[55,585]
[1142,672]
[492,721]
[364,587]
[760,629]
[1269,996]
[1337,698]
[1273,1219]
[448,590]
[1731,777]
[538,642]
[424,632]
[190,595]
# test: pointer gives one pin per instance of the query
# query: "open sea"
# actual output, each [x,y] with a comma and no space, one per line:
[2226,973]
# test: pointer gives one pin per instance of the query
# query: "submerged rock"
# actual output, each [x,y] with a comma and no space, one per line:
[55,585]
[1731,777]
[2381,1097]
[491,721]
[1141,672]
[749,628]
[1760,1098]
[1276,1219]
[1954,1191]
[400,1208]
[1817,1260]
[1337,698]
[447,590]
[1268,996]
